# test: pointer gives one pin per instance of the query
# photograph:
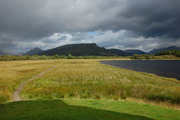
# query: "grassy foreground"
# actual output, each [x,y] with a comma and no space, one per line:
[77,84]
[81,109]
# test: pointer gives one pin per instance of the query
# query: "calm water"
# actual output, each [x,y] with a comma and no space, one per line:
[166,68]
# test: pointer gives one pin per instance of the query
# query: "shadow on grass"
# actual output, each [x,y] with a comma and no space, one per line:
[58,110]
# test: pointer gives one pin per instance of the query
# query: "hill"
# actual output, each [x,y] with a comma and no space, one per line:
[118,52]
[134,51]
[33,51]
[79,50]
[164,49]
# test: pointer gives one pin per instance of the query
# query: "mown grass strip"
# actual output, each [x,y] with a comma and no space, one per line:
[84,109]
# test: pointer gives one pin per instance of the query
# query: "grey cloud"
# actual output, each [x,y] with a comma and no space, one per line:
[37,18]
[29,21]
[154,18]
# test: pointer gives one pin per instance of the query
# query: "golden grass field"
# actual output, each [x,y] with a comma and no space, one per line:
[79,78]
[12,73]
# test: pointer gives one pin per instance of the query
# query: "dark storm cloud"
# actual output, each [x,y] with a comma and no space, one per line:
[28,21]
[154,18]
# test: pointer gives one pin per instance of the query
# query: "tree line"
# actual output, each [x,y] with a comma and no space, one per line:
[56,56]
[69,56]
[169,52]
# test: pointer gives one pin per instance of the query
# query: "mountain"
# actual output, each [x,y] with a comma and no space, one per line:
[118,52]
[163,49]
[33,51]
[79,50]
[134,51]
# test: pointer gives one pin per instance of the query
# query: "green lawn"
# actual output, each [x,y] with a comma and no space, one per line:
[81,109]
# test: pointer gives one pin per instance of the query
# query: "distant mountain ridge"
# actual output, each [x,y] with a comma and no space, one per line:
[34,51]
[134,51]
[79,50]
[88,49]
[164,49]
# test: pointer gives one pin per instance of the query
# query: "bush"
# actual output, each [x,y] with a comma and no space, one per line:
[142,56]
[70,56]
[162,98]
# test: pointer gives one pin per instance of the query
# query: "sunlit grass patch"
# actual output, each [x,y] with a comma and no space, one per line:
[84,109]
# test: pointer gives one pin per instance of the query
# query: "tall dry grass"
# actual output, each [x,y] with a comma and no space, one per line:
[90,79]
[12,73]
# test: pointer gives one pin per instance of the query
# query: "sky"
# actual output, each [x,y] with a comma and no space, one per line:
[121,24]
